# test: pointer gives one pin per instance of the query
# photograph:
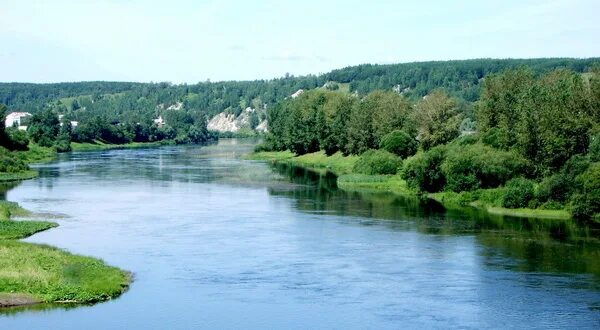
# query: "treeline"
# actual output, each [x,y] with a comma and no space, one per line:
[45,129]
[127,102]
[461,78]
[332,121]
[537,142]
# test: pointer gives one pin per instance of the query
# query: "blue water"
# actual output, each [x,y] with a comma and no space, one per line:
[219,242]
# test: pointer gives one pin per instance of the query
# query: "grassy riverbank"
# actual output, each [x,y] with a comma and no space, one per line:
[33,273]
[99,146]
[349,181]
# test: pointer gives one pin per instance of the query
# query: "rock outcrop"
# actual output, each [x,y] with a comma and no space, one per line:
[227,122]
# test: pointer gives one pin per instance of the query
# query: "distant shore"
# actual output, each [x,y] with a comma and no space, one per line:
[342,166]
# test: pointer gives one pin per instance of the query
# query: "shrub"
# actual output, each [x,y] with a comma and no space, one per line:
[377,162]
[62,145]
[399,143]
[479,166]
[16,139]
[9,162]
[519,192]
[560,187]
[555,188]
[586,203]
[494,137]
[423,171]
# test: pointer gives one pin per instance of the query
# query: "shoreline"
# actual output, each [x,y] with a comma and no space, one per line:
[32,274]
[341,166]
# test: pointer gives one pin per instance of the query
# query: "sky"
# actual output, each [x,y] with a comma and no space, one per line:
[192,41]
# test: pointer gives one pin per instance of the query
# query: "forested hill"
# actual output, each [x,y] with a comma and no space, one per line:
[460,78]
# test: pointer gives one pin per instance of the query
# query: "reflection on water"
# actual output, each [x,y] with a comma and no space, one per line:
[219,242]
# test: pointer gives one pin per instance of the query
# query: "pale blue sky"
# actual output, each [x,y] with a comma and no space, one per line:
[191,41]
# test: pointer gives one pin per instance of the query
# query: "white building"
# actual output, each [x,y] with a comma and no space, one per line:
[14,119]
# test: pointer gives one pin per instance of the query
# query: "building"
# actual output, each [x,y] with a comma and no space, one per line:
[14,119]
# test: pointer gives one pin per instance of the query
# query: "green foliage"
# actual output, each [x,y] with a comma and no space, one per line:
[586,203]
[11,163]
[377,162]
[546,119]
[378,114]
[22,229]
[479,166]
[594,150]
[43,128]
[63,140]
[519,192]
[16,139]
[423,171]
[399,143]
[438,118]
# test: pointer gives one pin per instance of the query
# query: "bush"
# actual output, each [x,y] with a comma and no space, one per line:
[519,192]
[494,137]
[555,188]
[586,203]
[16,139]
[479,166]
[377,162]
[423,171]
[62,145]
[399,143]
[560,187]
[10,163]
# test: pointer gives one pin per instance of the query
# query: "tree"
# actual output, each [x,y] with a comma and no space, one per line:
[43,128]
[438,118]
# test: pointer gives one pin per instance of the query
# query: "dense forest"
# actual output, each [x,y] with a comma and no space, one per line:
[121,112]
[122,99]
[530,140]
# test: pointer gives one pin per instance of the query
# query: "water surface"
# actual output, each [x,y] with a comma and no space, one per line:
[218,242]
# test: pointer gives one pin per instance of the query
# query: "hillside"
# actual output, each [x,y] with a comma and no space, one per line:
[128,101]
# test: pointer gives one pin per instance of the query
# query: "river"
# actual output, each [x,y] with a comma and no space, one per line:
[215,241]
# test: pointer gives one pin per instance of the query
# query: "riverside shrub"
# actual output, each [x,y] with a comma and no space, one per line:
[423,170]
[377,162]
[480,166]
[519,192]
[586,203]
[10,163]
[399,143]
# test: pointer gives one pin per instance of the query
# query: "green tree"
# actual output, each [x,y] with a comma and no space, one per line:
[438,117]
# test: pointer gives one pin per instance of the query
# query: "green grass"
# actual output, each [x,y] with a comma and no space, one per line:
[336,163]
[270,155]
[10,230]
[11,209]
[98,145]
[364,182]
[25,175]
[32,273]
[37,154]
[52,275]
[490,200]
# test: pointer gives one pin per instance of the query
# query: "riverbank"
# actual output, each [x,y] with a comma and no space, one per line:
[99,146]
[34,273]
[342,166]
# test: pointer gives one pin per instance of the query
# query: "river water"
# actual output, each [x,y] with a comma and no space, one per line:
[219,242]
